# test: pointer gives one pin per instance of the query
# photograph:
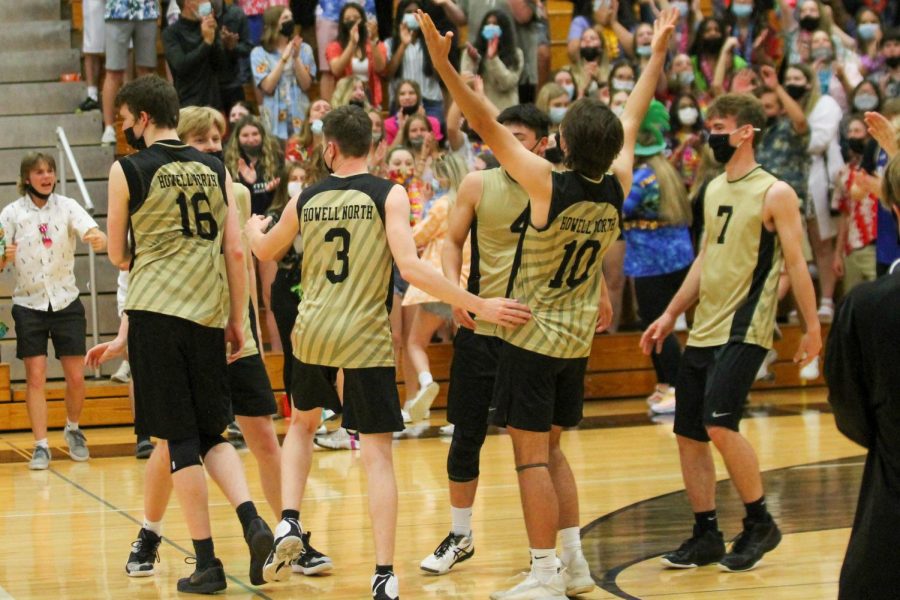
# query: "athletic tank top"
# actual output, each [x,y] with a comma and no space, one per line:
[496,229]
[177,212]
[242,203]
[559,266]
[347,281]
[741,267]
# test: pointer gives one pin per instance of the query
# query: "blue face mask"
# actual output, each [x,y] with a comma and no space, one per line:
[409,20]
[868,31]
[204,10]
[316,126]
[491,31]
[742,11]
[557,113]
[683,8]
[643,50]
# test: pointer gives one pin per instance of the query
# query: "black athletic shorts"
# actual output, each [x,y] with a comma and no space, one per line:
[180,376]
[65,327]
[712,386]
[534,392]
[473,373]
[371,401]
[251,390]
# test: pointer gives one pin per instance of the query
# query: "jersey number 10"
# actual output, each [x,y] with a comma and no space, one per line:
[575,279]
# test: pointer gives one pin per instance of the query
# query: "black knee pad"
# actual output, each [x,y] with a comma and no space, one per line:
[208,442]
[184,453]
[464,456]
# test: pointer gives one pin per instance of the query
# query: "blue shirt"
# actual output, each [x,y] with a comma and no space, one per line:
[282,112]
[887,244]
[650,252]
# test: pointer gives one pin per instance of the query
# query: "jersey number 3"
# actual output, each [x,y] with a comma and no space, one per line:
[211,229]
[575,279]
[343,254]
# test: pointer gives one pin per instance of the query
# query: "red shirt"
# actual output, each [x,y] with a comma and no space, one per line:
[333,50]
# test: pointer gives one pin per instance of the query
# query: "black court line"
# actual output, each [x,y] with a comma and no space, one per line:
[166,540]
[804,498]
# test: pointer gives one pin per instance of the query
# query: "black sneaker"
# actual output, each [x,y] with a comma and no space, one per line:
[288,546]
[144,554]
[88,105]
[259,539]
[208,581]
[385,587]
[144,448]
[757,538]
[704,548]
[311,562]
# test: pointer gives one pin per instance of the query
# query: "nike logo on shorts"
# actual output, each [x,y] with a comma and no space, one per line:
[716,415]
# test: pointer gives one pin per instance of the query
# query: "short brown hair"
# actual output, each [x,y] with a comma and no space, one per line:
[593,136]
[890,190]
[746,110]
[29,163]
[153,95]
[350,128]
[271,28]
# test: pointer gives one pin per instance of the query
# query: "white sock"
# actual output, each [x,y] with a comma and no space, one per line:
[92,92]
[154,526]
[42,443]
[543,563]
[425,379]
[570,540]
[462,521]
[826,302]
[70,425]
[109,128]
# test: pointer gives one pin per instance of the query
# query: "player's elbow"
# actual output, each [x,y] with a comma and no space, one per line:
[235,253]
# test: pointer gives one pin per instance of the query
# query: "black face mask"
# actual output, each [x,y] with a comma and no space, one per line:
[590,54]
[554,155]
[252,151]
[347,27]
[329,168]
[809,23]
[357,102]
[287,29]
[771,121]
[892,61]
[37,194]
[857,145]
[721,147]
[713,45]
[218,154]
[410,110]
[795,91]
[135,142]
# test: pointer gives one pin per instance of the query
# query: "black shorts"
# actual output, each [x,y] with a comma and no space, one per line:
[180,376]
[251,390]
[473,373]
[371,401]
[65,327]
[712,386]
[534,392]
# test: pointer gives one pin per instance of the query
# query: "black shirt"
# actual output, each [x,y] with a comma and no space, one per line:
[195,65]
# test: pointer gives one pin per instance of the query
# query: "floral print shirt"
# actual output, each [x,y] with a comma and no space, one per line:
[282,112]
[131,10]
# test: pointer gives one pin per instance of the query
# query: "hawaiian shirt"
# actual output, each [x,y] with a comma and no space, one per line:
[330,10]
[254,7]
[282,112]
[862,214]
[131,10]
[782,152]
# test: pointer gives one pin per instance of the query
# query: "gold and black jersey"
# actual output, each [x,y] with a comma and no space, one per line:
[177,208]
[741,265]
[495,231]
[559,266]
[347,274]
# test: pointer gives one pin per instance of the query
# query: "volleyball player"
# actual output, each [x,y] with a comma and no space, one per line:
[352,223]
[753,227]
[573,218]
[176,201]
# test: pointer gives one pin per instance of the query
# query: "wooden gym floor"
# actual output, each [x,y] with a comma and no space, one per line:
[66,532]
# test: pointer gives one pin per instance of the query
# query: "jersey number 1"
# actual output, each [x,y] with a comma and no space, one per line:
[212,229]
[574,280]
[343,254]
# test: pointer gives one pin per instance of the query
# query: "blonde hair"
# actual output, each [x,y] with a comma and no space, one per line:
[674,205]
[30,162]
[453,168]
[271,150]
[815,92]
[550,91]
[271,28]
[344,89]
[198,120]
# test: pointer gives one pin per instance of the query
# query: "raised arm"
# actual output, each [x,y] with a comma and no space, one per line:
[531,171]
[639,100]
[793,110]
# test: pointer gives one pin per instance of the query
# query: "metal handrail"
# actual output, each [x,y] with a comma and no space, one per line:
[65,154]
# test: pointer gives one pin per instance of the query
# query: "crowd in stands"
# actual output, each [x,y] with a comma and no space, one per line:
[275,68]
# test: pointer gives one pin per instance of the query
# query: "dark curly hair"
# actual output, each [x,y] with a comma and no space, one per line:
[508,44]
[593,137]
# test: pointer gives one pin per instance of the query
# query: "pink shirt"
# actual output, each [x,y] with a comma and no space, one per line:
[392,128]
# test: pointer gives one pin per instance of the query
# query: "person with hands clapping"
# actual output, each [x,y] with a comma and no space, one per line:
[496,57]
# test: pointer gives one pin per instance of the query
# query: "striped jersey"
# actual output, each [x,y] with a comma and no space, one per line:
[741,266]
[177,208]
[559,266]
[347,280]
[498,224]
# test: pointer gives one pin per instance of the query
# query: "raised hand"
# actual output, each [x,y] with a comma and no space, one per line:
[405,35]
[287,52]
[297,42]
[438,45]
[663,27]
[881,129]
[769,77]
[354,35]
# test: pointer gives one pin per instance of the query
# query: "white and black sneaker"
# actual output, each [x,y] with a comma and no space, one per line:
[385,587]
[311,562]
[454,549]
[288,546]
[144,554]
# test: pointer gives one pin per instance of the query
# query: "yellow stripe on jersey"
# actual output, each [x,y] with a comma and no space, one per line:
[741,265]
[346,277]
[177,231]
[498,225]
[559,272]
